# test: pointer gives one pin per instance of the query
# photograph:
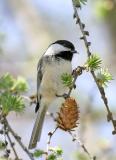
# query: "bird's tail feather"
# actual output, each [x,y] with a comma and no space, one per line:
[36,133]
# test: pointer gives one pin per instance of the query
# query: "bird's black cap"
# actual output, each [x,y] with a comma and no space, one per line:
[65,43]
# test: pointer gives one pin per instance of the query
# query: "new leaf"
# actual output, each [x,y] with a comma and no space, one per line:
[104,77]
[93,63]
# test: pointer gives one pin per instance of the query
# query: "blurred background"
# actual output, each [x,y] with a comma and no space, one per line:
[27,27]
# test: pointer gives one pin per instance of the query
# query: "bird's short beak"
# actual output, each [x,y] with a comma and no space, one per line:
[74,51]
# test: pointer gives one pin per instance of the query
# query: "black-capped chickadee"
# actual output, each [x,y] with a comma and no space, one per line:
[54,62]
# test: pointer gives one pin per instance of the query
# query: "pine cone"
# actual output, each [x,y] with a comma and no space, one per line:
[68,115]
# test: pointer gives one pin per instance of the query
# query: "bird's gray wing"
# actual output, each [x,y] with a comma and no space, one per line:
[39,79]
[36,133]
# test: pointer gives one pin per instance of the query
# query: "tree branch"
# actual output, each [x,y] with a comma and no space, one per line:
[18,139]
[74,138]
[76,73]
[50,134]
[100,88]
[12,146]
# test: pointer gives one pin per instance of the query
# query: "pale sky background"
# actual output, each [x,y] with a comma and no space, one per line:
[29,27]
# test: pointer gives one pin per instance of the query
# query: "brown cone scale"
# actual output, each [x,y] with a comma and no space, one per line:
[68,115]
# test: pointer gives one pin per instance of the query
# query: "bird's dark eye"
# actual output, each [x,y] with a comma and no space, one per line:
[64,44]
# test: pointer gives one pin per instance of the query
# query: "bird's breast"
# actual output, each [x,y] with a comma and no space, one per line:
[51,82]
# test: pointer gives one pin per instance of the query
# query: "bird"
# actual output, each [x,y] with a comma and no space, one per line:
[52,65]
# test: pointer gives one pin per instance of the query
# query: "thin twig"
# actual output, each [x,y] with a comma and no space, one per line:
[18,139]
[74,138]
[76,73]
[100,88]
[12,146]
[52,116]
[50,134]
[6,134]
[6,150]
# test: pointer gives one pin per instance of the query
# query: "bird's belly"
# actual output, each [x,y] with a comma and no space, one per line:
[51,82]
